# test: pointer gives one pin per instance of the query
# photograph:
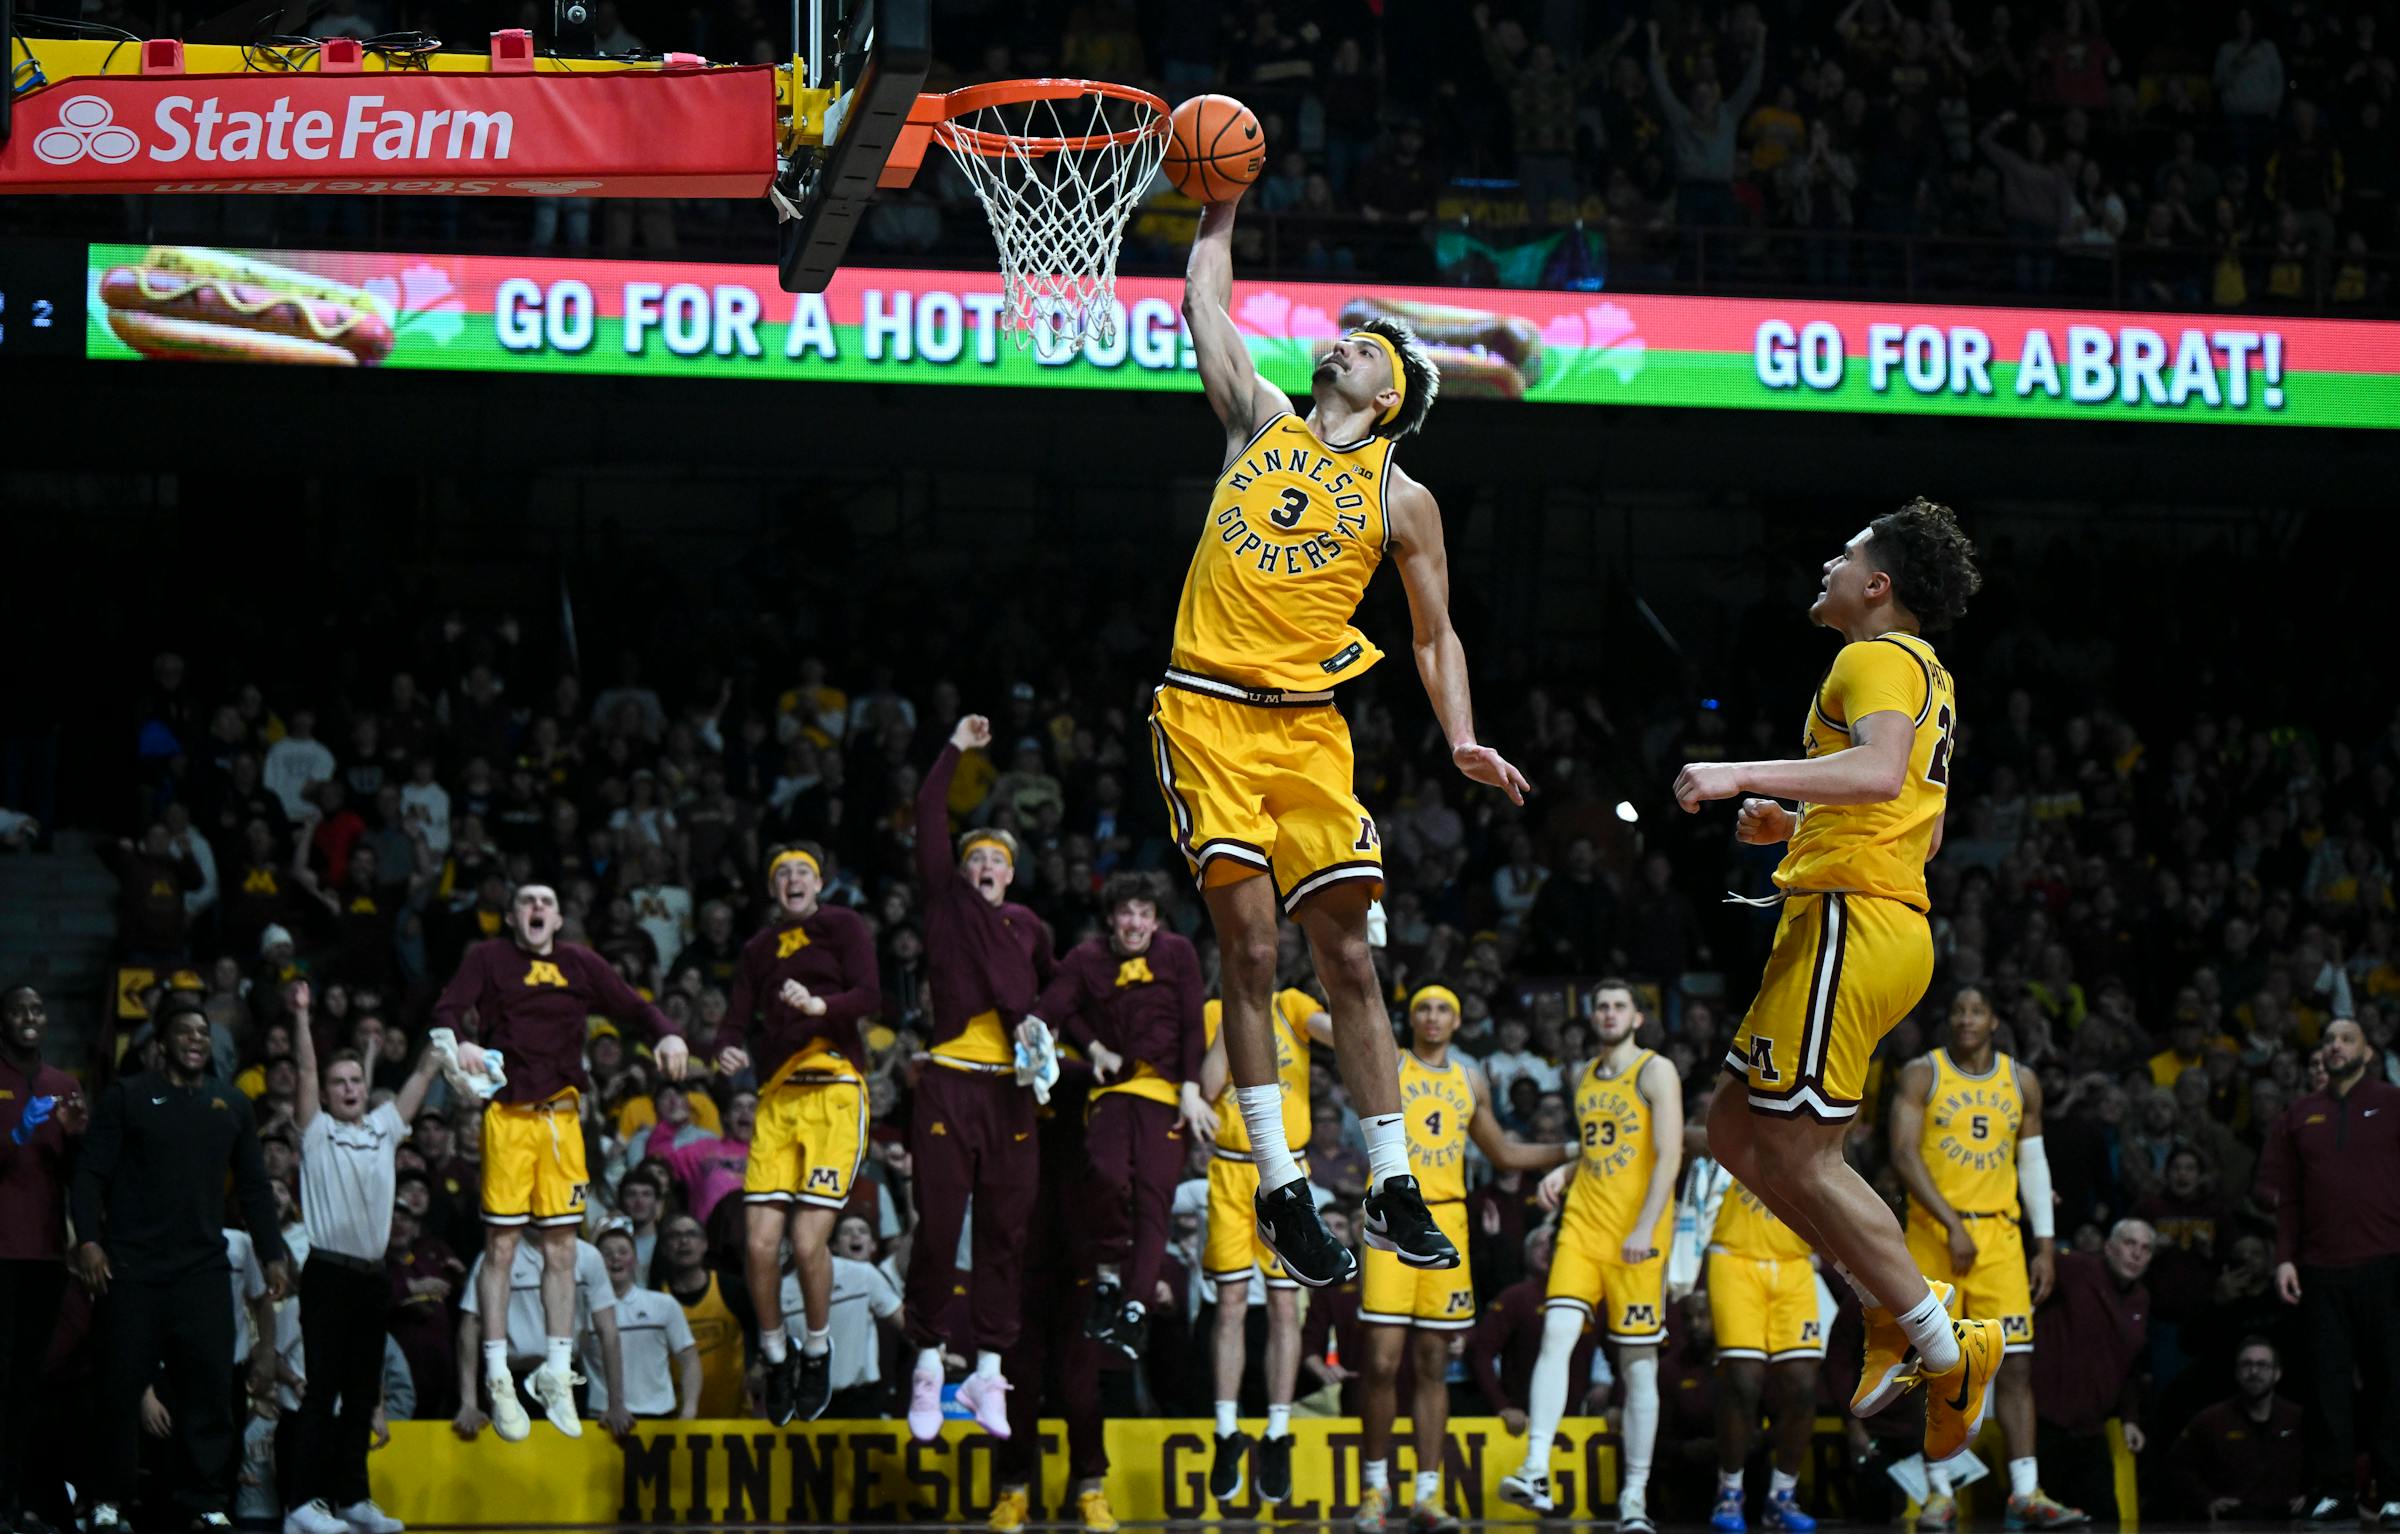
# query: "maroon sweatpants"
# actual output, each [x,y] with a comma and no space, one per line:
[1054,1364]
[1136,1151]
[972,1137]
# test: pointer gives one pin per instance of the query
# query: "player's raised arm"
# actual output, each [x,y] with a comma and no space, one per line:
[1242,400]
[1416,530]
[1872,769]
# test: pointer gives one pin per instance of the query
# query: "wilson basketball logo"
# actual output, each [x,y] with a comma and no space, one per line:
[87,129]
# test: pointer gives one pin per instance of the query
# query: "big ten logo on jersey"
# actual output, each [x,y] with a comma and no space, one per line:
[1977,1126]
[544,972]
[1313,480]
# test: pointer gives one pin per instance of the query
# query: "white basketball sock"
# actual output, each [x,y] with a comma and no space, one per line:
[1928,1328]
[773,1343]
[1229,1418]
[1641,1418]
[1262,1115]
[1562,1326]
[1387,1148]
[2024,1476]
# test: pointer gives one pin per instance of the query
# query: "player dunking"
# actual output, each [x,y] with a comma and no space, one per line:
[1967,1143]
[1852,950]
[529,995]
[1255,761]
[1611,1260]
[804,983]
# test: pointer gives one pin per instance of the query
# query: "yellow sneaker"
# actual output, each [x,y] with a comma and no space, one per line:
[1956,1403]
[1374,1506]
[1010,1512]
[1889,1369]
[1097,1519]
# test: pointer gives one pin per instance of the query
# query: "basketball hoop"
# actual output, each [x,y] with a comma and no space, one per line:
[1058,165]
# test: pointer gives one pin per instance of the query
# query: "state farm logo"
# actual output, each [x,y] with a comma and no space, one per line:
[359,128]
[86,130]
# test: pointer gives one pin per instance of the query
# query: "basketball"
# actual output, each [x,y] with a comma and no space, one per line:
[1216,149]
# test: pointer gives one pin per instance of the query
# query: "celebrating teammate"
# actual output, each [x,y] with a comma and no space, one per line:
[1254,761]
[1130,1000]
[528,995]
[1967,1143]
[972,1134]
[1611,1261]
[1446,1102]
[1235,1251]
[1852,949]
[804,982]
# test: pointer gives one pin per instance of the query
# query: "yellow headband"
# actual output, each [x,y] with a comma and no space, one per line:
[795,855]
[985,839]
[1426,993]
[1391,354]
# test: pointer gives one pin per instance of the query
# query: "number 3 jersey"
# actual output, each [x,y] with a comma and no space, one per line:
[1877,849]
[1295,530]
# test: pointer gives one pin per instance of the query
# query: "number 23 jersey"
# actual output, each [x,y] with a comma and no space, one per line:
[1295,531]
[1877,849]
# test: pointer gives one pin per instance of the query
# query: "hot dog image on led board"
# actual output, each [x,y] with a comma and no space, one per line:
[209,305]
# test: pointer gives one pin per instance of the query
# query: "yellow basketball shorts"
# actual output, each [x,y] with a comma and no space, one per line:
[1628,1299]
[533,1172]
[810,1138]
[1764,1307]
[1255,784]
[1844,969]
[1437,1299]
[1234,1247]
[1997,1288]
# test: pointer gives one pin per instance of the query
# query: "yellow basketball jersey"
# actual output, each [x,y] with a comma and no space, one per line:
[1294,533]
[1619,1152]
[1288,1022]
[1877,849]
[1747,1228]
[1970,1139]
[1439,1105]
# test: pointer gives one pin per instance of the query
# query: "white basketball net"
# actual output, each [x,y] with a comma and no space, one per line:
[1059,213]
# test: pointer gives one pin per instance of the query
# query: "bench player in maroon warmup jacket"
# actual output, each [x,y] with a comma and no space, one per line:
[1131,1001]
[805,982]
[529,995]
[972,1133]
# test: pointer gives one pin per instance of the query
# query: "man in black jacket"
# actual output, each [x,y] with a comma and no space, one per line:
[149,1203]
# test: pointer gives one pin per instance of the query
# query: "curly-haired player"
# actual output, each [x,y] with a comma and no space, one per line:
[1852,951]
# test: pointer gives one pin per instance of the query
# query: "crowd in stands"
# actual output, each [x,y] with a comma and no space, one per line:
[2135,151]
[2167,896]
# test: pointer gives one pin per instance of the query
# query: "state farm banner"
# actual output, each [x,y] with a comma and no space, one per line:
[641,133]
[667,319]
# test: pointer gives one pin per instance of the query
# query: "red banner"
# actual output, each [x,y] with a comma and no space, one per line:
[642,133]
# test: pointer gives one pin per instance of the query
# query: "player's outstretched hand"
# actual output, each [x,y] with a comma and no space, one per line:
[1764,823]
[1699,782]
[1485,765]
[973,733]
[673,1056]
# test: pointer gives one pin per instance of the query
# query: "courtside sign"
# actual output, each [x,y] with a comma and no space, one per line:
[682,319]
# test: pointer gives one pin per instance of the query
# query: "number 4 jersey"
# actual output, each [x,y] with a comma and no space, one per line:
[1877,849]
[1295,531]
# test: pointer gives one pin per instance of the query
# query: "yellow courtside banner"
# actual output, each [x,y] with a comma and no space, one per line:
[872,1472]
